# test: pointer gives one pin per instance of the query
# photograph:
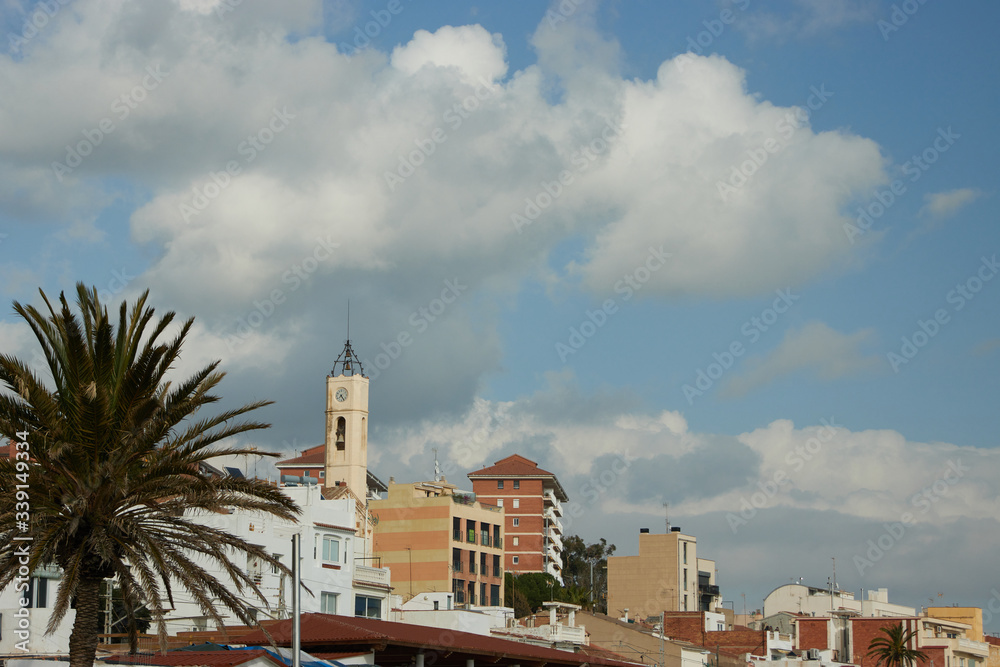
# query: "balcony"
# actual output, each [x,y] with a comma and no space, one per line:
[472,568]
[485,539]
[972,647]
[371,576]
[551,501]
[471,536]
[553,633]
[457,534]
[456,566]
[497,572]
[708,589]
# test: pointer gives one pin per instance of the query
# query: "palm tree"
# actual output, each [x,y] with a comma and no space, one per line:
[892,650]
[118,468]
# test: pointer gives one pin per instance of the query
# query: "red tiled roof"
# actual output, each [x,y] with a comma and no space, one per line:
[330,630]
[307,459]
[514,465]
[194,658]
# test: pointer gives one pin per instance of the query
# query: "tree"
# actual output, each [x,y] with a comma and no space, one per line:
[581,560]
[113,467]
[536,587]
[892,649]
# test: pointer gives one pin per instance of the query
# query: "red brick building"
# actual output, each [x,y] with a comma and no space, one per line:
[532,501]
[947,643]
[312,463]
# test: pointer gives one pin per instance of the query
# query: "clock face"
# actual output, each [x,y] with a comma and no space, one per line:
[341,394]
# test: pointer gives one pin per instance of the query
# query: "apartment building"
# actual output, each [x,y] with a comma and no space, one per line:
[532,502]
[435,538]
[946,642]
[664,576]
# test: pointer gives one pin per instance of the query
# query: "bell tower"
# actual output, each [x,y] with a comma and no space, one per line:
[347,424]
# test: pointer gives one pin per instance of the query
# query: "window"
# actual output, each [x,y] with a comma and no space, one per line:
[37,594]
[685,578]
[305,473]
[494,596]
[274,568]
[367,607]
[331,549]
[517,503]
[516,540]
[499,483]
[496,567]
[685,553]
[517,484]
[328,603]
[517,521]
[499,502]
[685,603]
[322,474]
[341,433]
[484,598]
[515,560]
[437,605]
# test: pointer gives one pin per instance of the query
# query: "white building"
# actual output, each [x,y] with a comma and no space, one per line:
[438,610]
[812,601]
[333,563]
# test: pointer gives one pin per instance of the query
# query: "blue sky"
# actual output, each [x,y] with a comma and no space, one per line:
[736,172]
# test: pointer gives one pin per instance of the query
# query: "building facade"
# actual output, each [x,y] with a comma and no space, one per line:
[333,568]
[437,539]
[663,577]
[532,502]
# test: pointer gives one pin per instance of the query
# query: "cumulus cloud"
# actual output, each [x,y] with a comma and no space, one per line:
[814,348]
[252,145]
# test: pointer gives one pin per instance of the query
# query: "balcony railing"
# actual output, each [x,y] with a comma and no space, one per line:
[460,597]
[472,568]
[457,534]
[981,649]
[485,539]
[497,571]
[363,574]
[456,566]
[471,536]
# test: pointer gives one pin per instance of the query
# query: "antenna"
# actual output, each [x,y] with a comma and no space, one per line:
[666,515]
[348,319]
[437,468]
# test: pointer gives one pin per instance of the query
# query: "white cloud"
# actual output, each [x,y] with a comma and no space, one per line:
[807,18]
[944,204]
[815,347]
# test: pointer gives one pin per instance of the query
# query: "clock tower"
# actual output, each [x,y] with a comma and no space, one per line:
[347,424]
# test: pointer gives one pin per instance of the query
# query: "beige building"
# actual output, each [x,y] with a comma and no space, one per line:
[663,577]
[434,538]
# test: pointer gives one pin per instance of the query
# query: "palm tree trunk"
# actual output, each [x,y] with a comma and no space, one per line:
[83,639]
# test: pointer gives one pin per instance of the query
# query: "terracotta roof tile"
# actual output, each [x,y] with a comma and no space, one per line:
[514,465]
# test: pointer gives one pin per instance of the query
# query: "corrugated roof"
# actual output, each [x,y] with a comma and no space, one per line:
[194,658]
[330,630]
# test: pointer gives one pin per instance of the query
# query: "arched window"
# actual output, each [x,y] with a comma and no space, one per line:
[341,434]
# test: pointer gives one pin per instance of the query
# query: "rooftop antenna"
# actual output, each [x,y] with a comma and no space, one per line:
[437,468]
[666,515]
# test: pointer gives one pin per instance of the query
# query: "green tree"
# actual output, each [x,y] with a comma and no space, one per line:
[536,587]
[891,649]
[115,466]
[581,561]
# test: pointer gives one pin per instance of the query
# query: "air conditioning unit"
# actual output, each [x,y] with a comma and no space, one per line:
[813,654]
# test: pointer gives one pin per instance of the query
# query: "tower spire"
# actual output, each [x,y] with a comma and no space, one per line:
[347,363]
